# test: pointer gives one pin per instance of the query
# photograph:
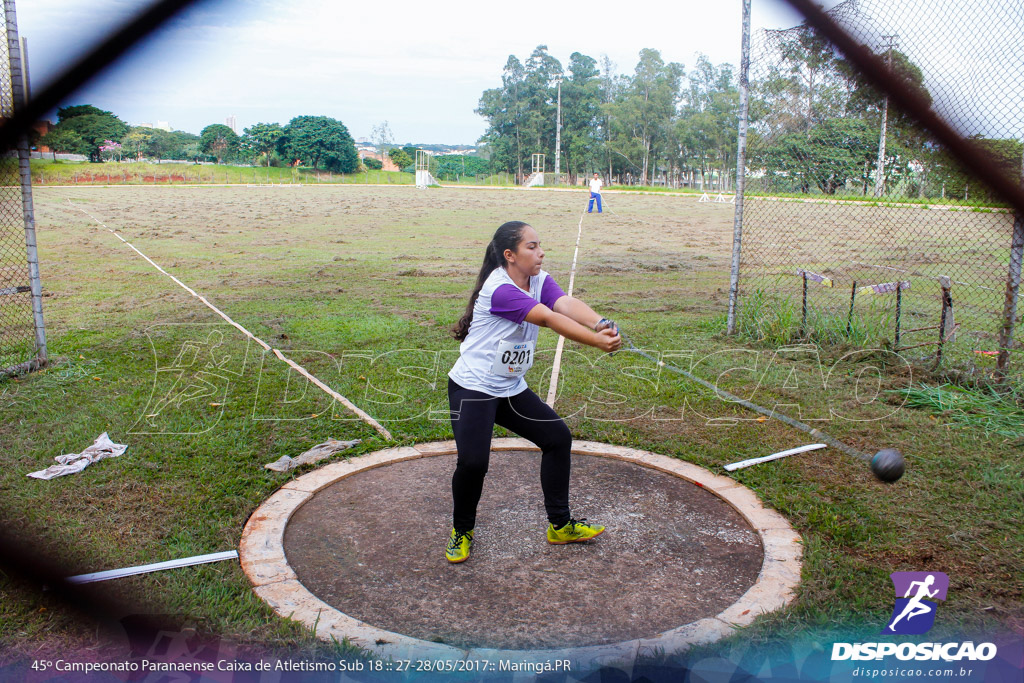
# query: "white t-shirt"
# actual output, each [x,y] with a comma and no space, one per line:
[595,185]
[499,323]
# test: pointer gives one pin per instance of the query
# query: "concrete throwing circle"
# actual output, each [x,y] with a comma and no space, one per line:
[355,550]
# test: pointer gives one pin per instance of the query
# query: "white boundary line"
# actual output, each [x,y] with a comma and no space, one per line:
[147,568]
[557,366]
[298,368]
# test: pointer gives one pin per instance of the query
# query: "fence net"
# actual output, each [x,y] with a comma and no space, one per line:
[17,327]
[854,215]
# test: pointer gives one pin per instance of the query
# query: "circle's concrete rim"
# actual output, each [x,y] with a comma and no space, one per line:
[263,560]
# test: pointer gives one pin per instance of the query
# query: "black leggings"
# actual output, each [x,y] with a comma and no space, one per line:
[474,415]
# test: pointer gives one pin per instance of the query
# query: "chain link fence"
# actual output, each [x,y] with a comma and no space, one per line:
[858,226]
[22,337]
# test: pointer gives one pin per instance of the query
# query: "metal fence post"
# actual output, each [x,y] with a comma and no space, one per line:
[899,305]
[741,163]
[25,172]
[946,318]
[1012,289]
[1012,294]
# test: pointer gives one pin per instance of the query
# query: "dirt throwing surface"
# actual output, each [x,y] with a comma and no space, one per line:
[372,545]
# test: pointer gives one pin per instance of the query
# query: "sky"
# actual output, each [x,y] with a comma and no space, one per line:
[419,66]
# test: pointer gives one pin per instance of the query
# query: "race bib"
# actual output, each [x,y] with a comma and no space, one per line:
[513,359]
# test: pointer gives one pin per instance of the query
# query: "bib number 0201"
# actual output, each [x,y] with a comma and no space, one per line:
[511,357]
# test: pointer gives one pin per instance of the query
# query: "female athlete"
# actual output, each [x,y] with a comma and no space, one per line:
[513,298]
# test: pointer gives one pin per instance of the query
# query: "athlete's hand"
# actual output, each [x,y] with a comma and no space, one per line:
[608,340]
[605,323]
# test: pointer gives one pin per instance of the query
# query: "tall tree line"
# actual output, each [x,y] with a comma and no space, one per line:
[816,124]
[312,141]
[657,124]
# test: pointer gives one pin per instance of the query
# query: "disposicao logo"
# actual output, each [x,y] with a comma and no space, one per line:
[914,612]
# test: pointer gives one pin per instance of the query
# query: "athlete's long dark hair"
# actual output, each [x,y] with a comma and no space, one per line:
[507,236]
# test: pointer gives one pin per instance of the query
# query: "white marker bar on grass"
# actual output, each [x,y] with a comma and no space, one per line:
[773,456]
[814,277]
[147,568]
[884,288]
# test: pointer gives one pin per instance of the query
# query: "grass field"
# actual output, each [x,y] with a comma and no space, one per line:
[48,172]
[360,285]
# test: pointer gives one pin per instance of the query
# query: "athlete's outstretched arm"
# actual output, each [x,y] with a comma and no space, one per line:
[607,340]
[573,308]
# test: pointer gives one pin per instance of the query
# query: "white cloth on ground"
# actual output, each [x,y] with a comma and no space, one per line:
[72,463]
[314,454]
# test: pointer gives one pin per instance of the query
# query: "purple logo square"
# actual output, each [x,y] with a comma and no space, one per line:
[916,593]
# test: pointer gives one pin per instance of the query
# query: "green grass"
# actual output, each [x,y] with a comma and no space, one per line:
[360,285]
[987,411]
[46,172]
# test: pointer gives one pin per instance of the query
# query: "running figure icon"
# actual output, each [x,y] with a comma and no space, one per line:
[915,607]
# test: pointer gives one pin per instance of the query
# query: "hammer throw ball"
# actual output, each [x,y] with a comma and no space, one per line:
[888,464]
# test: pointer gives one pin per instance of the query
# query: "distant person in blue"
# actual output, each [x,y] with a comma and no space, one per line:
[512,299]
[595,193]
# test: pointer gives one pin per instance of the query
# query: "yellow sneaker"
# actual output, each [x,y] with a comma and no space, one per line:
[574,531]
[458,546]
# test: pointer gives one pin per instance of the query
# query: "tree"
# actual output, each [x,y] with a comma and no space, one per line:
[866,102]
[581,109]
[382,137]
[112,149]
[505,111]
[218,140]
[137,140]
[828,155]
[901,139]
[521,113]
[65,113]
[65,141]
[183,145]
[705,132]
[540,87]
[373,164]
[956,181]
[453,166]
[401,158]
[809,62]
[94,126]
[316,139]
[611,86]
[642,117]
[190,150]
[159,144]
[262,138]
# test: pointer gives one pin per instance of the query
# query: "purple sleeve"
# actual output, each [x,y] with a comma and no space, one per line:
[511,303]
[550,292]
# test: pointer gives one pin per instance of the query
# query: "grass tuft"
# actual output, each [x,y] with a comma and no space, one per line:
[964,408]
